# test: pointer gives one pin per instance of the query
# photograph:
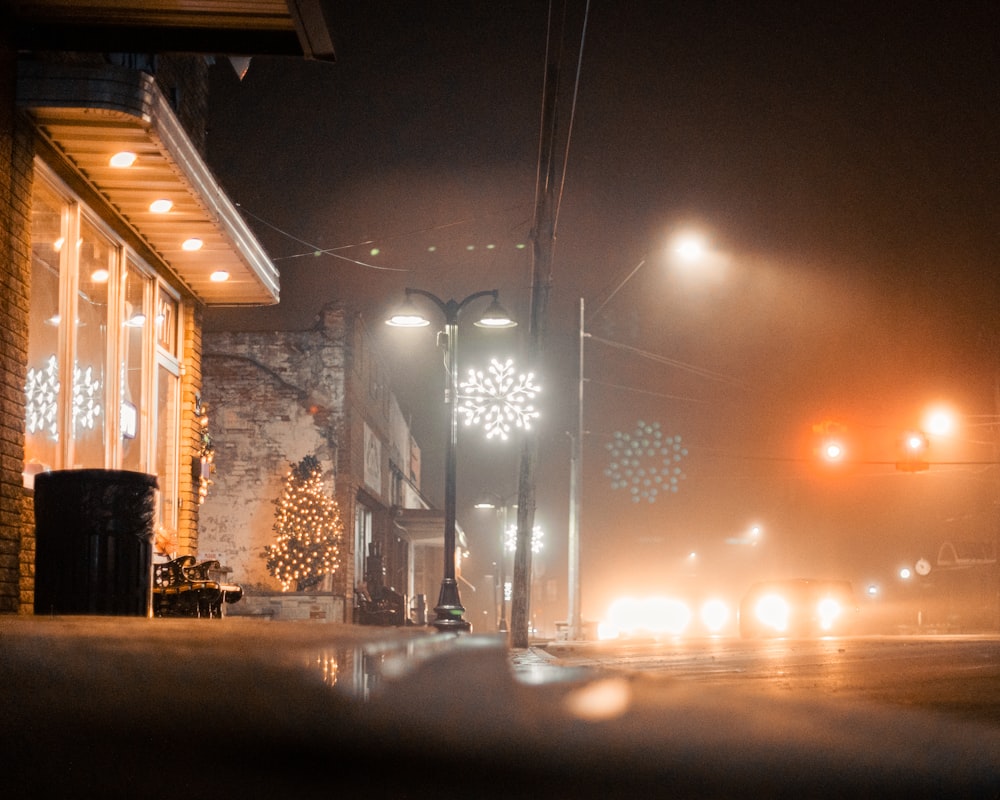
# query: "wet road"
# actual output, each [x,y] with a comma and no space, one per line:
[956,674]
[129,707]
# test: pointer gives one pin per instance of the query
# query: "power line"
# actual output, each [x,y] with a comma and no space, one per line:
[672,362]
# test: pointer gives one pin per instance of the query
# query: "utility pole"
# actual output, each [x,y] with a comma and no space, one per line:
[575,632]
[543,241]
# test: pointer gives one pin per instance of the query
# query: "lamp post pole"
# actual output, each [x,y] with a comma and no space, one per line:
[501,506]
[575,621]
[502,625]
[575,632]
[449,609]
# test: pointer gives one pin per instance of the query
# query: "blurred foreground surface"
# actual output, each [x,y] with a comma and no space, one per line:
[129,707]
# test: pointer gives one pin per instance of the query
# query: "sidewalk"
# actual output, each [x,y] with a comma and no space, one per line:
[129,708]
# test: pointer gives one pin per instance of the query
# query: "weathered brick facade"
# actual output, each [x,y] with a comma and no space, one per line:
[275,397]
[16,542]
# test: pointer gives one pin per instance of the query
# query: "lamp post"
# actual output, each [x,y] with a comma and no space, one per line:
[689,249]
[449,609]
[575,620]
[501,506]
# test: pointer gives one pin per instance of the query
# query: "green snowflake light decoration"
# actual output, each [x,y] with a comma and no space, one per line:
[499,400]
[645,462]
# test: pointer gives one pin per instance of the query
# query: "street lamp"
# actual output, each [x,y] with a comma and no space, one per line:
[449,609]
[690,250]
[501,506]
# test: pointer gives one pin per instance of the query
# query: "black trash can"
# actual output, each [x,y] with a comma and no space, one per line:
[94,542]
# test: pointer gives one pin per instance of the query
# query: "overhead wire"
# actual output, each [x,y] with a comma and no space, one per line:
[572,119]
[316,250]
[673,362]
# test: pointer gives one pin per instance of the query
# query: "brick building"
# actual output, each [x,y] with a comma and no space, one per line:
[279,396]
[101,356]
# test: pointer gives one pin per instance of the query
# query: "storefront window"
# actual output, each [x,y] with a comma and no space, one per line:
[167,407]
[103,378]
[43,387]
[362,538]
[98,261]
[134,413]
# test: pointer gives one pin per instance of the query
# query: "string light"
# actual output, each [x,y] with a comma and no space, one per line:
[308,530]
[206,449]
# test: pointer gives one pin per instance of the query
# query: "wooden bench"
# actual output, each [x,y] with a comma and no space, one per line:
[185,588]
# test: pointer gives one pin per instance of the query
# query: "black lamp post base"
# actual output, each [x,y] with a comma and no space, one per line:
[449,609]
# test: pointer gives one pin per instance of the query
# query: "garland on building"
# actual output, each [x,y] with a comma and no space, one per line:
[308,530]
[206,449]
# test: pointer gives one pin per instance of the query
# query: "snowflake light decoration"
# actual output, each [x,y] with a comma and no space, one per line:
[498,400]
[645,462]
[510,539]
[86,397]
[42,392]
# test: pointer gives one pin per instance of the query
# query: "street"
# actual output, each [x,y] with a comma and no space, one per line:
[122,707]
[955,674]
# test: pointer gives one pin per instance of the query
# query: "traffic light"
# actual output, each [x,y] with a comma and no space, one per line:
[914,452]
[830,442]
[833,450]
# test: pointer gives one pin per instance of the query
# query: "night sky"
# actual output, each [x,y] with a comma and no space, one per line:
[840,159]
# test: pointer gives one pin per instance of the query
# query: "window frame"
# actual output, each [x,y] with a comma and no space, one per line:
[76,216]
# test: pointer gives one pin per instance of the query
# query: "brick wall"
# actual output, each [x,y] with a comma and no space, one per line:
[184,81]
[273,398]
[16,539]
[191,386]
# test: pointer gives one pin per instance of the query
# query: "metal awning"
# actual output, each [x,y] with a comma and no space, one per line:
[425,526]
[231,27]
[89,114]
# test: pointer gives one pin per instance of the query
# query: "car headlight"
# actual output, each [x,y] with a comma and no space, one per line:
[714,615]
[828,611]
[654,616]
[773,611]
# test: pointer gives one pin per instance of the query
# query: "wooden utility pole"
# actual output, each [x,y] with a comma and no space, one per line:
[543,242]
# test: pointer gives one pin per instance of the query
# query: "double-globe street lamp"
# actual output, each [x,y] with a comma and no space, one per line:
[449,610]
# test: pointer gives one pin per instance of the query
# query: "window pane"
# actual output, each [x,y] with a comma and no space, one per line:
[48,238]
[135,324]
[167,426]
[97,259]
[166,323]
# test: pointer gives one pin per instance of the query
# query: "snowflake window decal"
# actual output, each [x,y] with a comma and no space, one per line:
[42,393]
[645,462]
[499,399]
[86,398]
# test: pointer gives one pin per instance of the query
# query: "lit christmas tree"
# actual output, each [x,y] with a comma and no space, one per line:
[308,530]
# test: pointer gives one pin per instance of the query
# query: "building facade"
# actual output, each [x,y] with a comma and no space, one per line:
[276,397]
[114,238]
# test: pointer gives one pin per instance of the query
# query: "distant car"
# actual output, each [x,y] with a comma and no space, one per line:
[668,616]
[798,607]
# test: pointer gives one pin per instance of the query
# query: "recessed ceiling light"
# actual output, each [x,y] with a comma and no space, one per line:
[99,276]
[123,159]
[192,244]
[161,206]
[220,275]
